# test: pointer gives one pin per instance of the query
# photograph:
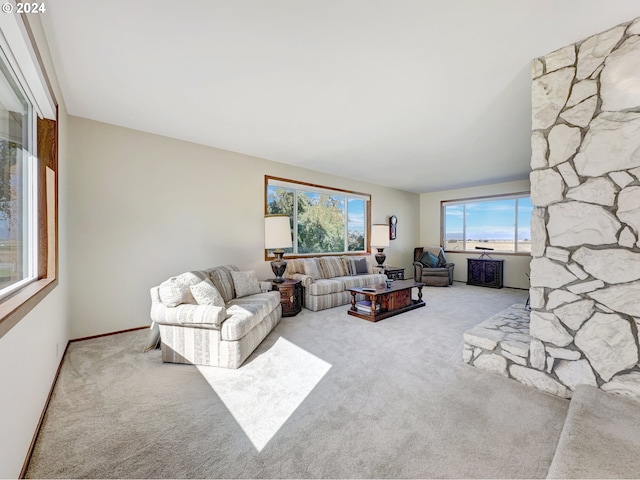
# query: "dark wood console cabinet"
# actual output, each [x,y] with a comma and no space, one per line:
[485,272]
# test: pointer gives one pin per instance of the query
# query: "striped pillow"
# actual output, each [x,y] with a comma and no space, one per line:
[221,278]
[331,267]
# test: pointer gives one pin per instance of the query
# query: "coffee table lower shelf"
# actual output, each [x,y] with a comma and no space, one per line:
[392,300]
[382,315]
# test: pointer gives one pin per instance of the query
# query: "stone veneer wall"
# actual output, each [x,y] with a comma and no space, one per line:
[585,187]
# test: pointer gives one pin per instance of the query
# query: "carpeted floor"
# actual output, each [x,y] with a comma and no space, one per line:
[326,395]
[600,439]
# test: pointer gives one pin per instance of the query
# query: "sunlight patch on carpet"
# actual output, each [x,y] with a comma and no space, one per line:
[263,393]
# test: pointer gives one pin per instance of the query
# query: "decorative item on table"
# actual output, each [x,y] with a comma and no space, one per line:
[277,235]
[380,240]
[389,282]
[484,251]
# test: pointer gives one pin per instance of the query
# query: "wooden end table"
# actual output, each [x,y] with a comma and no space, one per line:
[394,273]
[290,296]
[386,302]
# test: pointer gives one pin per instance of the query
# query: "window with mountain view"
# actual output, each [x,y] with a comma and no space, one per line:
[502,223]
[324,220]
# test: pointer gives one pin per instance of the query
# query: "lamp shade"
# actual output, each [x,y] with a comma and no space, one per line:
[277,232]
[380,235]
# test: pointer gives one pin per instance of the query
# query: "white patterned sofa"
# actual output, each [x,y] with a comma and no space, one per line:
[325,280]
[213,317]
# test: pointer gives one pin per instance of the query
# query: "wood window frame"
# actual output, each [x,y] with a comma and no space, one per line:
[443,240]
[16,306]
[367,246]
[20,303]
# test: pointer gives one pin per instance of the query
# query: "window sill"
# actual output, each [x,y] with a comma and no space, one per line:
[489,252]
[15,307]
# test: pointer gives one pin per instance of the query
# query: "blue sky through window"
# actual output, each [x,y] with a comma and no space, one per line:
[489,220]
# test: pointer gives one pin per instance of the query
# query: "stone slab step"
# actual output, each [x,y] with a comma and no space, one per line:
[600,437]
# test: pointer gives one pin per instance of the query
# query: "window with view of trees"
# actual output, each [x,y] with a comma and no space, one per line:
[28,175]
[502,223]
[18,206]
[323,220]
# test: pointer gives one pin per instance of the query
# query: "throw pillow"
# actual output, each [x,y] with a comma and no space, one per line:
[441,260]
[429,260]
[176,290]
[359,266]
[222,280]
[205,293]
[312,268]
[245,283]
[332,267]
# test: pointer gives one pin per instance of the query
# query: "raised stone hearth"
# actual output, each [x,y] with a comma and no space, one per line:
[502,345]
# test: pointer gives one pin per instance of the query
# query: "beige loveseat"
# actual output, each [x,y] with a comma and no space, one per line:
[213,317]
[325,280]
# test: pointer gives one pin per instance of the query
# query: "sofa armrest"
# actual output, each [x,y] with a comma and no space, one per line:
[417,271]
[450,266]
[305,279]
[186,314]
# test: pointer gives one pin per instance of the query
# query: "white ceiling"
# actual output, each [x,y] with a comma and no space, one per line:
[420,95]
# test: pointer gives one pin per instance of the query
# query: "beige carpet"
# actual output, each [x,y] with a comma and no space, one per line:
[600,438]
[326,395]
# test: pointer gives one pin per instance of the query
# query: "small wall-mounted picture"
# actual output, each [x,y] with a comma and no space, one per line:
[393,222]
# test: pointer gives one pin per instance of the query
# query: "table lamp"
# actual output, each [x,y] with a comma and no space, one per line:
[277,235]
[380,240]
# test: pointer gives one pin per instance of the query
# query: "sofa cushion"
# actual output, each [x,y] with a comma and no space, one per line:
[205,293]
[221,278]
[206,316]
[331,267]
[295,265]
[324,286]
[176,290]
[268,300]
[245,283]
[243,316]
[428,259]
[435,272]
[354,281]
[312,268]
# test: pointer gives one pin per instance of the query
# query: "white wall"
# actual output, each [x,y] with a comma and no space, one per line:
[515,266]
[144,207]
[32,350]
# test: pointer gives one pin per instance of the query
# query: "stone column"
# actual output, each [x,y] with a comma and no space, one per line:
[585,187]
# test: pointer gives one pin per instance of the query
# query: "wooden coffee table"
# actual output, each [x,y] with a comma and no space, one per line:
[391,301]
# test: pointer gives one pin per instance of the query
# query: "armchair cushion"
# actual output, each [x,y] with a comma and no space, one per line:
[429,260]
